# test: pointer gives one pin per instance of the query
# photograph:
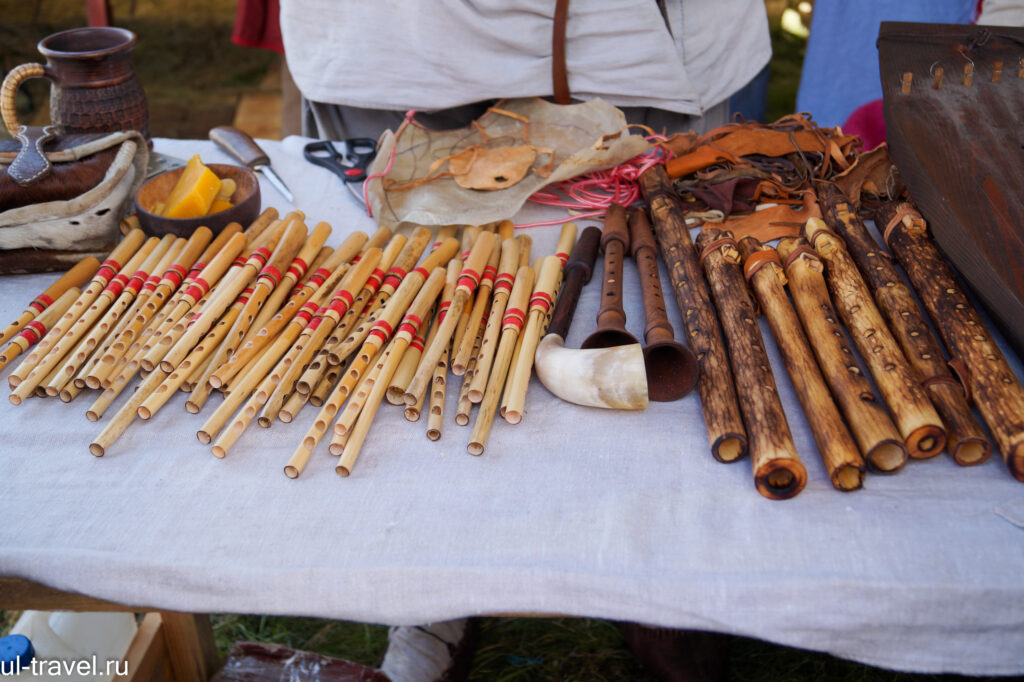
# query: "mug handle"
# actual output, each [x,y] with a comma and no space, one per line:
[8,106]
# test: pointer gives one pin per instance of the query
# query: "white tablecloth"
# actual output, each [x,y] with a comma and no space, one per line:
[579,511]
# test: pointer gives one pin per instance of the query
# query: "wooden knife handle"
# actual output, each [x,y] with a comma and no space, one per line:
[239,145]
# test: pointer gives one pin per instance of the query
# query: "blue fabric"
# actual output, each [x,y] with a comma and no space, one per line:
[840,70]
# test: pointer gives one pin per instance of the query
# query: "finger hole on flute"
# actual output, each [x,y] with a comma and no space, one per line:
[888,456]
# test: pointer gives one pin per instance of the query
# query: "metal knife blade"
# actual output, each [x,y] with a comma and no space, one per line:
[240,145]
[158,163]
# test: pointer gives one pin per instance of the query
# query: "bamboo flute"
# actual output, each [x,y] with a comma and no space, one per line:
[403,374]
[77,329]
[178,279]
[78,275]
[268,283]
[718,400]
[464,351]
[778,472]
[912,412]
[119,295]
[253,376]
[843,461]
[406,259]
[989,379]
[191,363]
[338,438]
[411,323]
[464,406]
[340,344]
[227,293]
[512,322]
[468,237]
[126,415]
[965,440]
[264,220]
[339,441]
[272,365]
[190,384]
[877,438]
[435,403]
[392,279]
[318,286]
[507,267]
[35,329]
[99,366]
[539,306]
[129,315]
[287,371]
[108,268]
[468,280]
[324,387]
[154,347]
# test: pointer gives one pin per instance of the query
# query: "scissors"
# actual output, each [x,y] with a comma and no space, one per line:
[348,159]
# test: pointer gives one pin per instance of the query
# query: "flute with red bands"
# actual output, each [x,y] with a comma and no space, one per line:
[81,273]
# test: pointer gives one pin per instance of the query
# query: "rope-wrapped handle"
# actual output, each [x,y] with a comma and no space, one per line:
[8,104]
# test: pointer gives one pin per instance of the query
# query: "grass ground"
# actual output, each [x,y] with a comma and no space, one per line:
[194,77]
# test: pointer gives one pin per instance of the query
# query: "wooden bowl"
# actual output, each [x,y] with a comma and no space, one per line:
[245,210]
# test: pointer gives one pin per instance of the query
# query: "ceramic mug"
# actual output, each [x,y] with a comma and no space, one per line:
[93,87]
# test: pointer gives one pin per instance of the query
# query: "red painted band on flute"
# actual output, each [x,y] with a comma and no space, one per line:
[175,275]
[490,272]
[504,282]
[514,318]
[41,303]
[137,280]
[152,282]
[33,331]
[116,285]
[374,280]
[540,301]
[417,343]
[443,310]
[239,261]
[562,256]
[108,266]
[395,274]
[410,323]
[341,302]
[422,272]
[469,279]
[298,267]
[262,254]
[271,273]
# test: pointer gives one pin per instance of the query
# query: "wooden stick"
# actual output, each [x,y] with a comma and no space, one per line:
[991,383]
[718,400]
[966,441]
[507,267]
[468,280]
[877,437]
[76,277]
[107,270]
[913,413]
[77,330]
[778,471]
[842,459]
[35,329]
[512,322]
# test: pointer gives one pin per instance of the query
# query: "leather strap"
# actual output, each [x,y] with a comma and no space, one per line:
[559,71]
[31,163]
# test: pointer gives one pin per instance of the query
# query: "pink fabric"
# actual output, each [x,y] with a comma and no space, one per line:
[868,123]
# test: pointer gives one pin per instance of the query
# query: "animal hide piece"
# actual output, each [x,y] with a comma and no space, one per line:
[486,171]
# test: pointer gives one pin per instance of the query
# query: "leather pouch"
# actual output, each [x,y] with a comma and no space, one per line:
[63,197]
